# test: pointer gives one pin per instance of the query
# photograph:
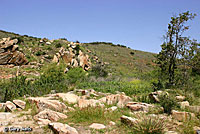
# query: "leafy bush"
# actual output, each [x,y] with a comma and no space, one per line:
[167,102]
[148,125]
[132,53]
[38,53]
[15,87]
[75,75]
[52,73]
[99,71]
[58,45]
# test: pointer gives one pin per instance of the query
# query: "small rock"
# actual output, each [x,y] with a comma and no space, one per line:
[21,104]
[60,128]
[113,108]
[97,126]
[154,95]
[128,120]
[184,104]
[111,123]
[180,98]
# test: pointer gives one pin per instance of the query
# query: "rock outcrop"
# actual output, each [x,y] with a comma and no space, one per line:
[73,57]
[9,53]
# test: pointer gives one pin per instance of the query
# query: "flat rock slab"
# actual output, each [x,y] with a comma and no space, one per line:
[21,104]
[68,97]
[10,107]
[46,103]
[97,126]
[128,120]
[50,115]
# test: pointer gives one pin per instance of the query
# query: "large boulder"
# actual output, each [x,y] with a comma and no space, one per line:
[82,103]
[182,116]
[21,104]
[10,107]
[195,109]
[68,97]
[60,128]
[138,106]
[120,99]
[47,103]
[50,115]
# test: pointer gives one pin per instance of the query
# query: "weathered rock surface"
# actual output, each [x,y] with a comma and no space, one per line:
[9,106]
[180,98]
[50,115]
[97,126]
[82,103]
[182,116]
[60,128]
[73,57]
[184,104]
[138,106]
[120,99]
[154,96]
[128,120]
[195,109]
[21,104]
[47,103]
[9,53]
[68,97]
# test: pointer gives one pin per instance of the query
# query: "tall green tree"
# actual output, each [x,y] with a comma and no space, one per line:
[175,49]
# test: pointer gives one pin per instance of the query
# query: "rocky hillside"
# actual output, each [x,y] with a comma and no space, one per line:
[116,59]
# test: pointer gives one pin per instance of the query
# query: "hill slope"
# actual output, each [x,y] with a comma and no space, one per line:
[118,59]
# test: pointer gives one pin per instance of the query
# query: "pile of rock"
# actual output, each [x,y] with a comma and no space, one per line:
[9,53]
[73,57]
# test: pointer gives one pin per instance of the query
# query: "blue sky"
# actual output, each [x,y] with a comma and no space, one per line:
[139,24]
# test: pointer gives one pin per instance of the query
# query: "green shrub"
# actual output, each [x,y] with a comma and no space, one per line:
[132,53]
[38,53]
[167,102]
[75,75]
[58,45]
[148,125]
[99,71]
[52,73]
